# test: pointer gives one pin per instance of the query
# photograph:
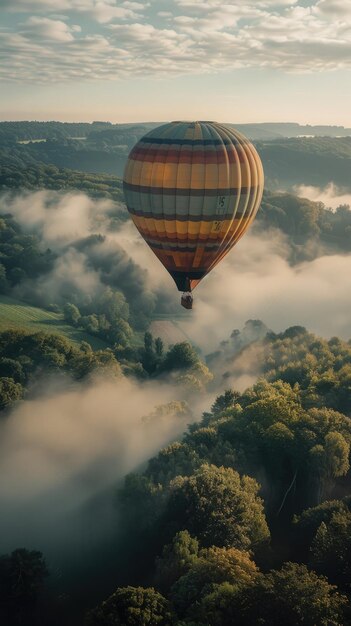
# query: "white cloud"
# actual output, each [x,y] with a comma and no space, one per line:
[255,281]
[104,12]
[70,444]
[42,5]
[331,196]
[195,37]
[48,29]
[217,3]
[333,8]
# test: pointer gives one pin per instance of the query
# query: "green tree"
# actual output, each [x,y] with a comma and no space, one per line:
[213,567]
[187,370]
[148,342]
[307,523]
[102,363]
[169,412]
[113,304]
[225,401]
[302,451]
[120,333]
[159,347]
[132,606]
[219,507]
[292,596]
[11,368]
[177,558]
[331,460]
[180,356]
[22,574]
[331,549]
[10,392]
[220,606]
[71,314]
[178,458]
[148,355]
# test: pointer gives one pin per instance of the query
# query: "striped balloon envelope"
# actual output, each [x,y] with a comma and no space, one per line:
[192,189]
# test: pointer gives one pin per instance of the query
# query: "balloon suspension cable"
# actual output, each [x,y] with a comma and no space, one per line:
[187,299]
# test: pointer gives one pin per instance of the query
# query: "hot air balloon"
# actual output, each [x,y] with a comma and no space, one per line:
[192,189]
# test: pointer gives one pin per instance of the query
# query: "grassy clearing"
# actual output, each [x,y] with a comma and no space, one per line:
[17,314]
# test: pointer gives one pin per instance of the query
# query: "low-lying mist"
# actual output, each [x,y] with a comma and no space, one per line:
[256,281]
[64,453]
[331,195]
[94,245]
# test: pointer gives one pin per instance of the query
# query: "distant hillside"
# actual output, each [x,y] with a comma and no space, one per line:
[15,174]
[314,161]
[17,314]
[27,131]
[291,154]
[275,130]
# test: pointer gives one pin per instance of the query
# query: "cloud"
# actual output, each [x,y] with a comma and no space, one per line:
[208,4]
[70,428]
[71,5]
[104,12]
[48,29]
[119,39]
[91,253]
[100,10]
[331,196]
[333,8]
[59,218]
[255,281]
[69,445]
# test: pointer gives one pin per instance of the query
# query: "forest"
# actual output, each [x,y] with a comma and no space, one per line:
[245,519]
[227,494]
[291,154]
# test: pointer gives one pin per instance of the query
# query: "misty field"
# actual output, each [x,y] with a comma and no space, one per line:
[17,314]
[169,329]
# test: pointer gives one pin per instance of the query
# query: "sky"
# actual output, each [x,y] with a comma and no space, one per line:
[125,61]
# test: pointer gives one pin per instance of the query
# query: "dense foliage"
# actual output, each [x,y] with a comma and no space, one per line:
[311,228]
[28,356]
[313,161]
[132,605]
[25,357]
[241,521]
[99,147]
[17,175]
[289,158]
[222,558]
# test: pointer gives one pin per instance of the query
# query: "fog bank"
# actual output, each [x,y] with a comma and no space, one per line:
[255,281]
[331,195]
[65,447]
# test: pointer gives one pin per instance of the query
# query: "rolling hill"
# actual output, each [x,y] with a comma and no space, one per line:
[17,314]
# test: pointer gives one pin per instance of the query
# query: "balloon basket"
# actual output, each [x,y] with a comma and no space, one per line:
[187,300]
